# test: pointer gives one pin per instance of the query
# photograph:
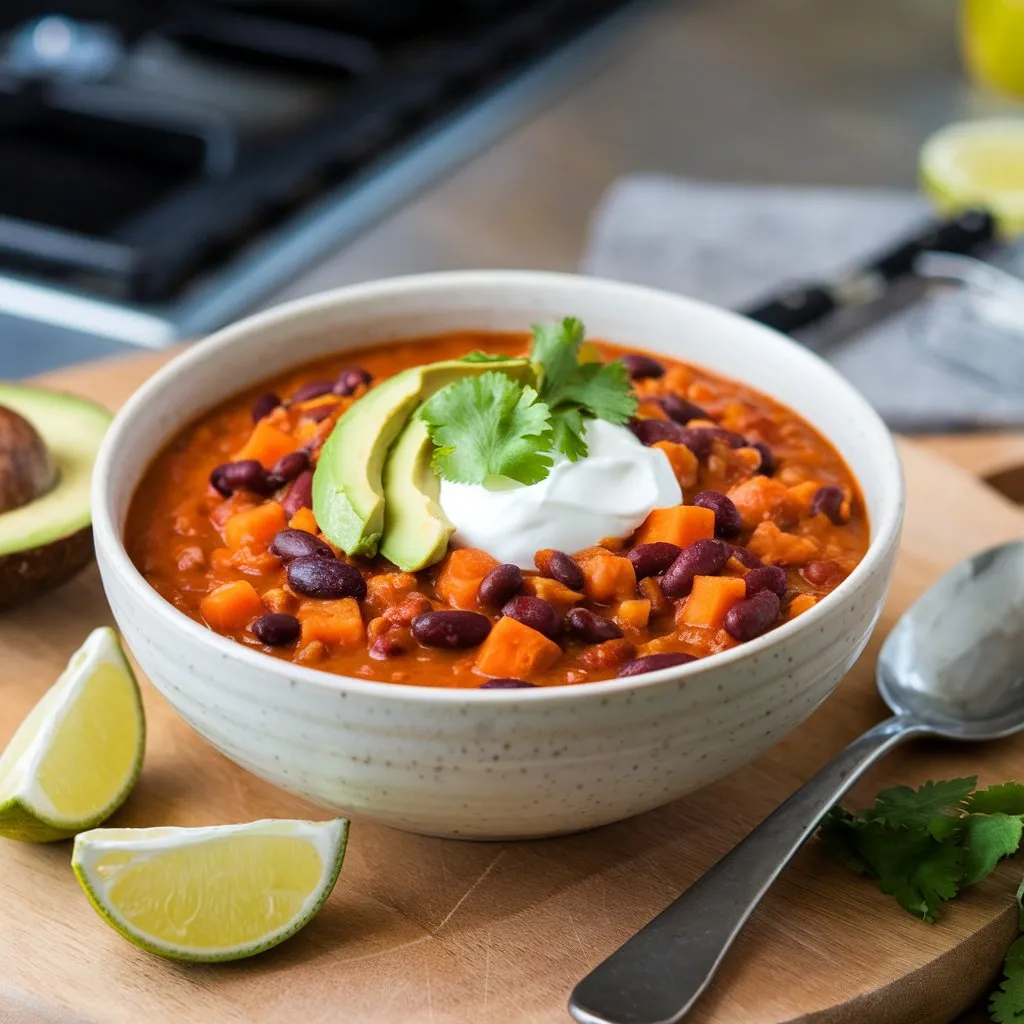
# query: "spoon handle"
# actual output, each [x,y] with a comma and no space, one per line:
[658,974]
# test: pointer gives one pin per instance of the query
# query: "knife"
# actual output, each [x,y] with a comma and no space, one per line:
[806,304]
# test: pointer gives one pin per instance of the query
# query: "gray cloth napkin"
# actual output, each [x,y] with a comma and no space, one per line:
[733,245]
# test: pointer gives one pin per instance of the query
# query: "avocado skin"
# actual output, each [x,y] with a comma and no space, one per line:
[348,491]
[25,575]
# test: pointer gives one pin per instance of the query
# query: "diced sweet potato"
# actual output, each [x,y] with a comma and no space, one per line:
[255,528]
[267,444]
[762,498]
[280,600]
[387,590]
[555,593]
[710,600]
[304,520]
[803,495]
[608,578]
[461,575]
[775,547]
[650,410]
[232,606]
[684,463]
[515,651]
[254,563]
[800,604]
[633,614]
[680,525]
[610,654]
[240,502]
[650,589]
[334,623]
[311,653]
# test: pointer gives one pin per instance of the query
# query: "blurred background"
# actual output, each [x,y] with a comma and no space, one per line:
[168,165]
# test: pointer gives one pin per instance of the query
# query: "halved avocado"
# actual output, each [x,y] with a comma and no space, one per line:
[348,493]
[45,472]
[416,530]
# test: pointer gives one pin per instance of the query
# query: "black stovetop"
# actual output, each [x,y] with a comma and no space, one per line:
[144,144]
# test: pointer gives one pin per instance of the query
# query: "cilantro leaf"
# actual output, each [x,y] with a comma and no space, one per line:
[838,831]
[484,357]
[1005,799]
[1006,1004]
[573,390]
[935,806]
[489,426]
[912,866]
[988,838]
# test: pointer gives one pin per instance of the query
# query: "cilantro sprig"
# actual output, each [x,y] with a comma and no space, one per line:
[491,425]
[924,846]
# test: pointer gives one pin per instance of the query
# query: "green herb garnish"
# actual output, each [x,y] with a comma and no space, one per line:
[489,426]
[493,425]
[924,846]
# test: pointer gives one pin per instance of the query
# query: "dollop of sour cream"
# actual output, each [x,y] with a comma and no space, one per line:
[607,494]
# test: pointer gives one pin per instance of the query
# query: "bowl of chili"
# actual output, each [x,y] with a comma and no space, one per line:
[452,690]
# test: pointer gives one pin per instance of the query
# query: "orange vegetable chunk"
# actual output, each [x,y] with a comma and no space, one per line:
[267,444]
[680,525]
[255,528]
[232,606]
[763,498]
[711,599]
[555,593]
[335,623]
[461,575]
[800,604]
[515,651]
[634,614]
[775,547]
[607,577]
[304,520]
[684,463]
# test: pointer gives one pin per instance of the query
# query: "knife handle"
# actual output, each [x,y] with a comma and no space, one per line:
[799,308]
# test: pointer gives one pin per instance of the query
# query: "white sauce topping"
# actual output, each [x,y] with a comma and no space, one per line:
[607,494]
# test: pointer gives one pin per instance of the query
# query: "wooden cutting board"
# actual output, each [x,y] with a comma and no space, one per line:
[426,931]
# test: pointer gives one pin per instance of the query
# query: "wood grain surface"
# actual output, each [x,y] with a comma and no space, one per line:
[426,931]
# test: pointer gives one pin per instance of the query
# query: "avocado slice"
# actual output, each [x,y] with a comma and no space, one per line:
[348,491]
[47,537]
[416,530]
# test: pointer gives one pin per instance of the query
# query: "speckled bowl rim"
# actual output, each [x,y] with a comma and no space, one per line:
[108,539]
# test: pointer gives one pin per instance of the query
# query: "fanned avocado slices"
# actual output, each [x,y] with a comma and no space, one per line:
[348,487]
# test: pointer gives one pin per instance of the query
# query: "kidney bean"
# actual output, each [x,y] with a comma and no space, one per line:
[745,557]
[290,544]
[500,584]
[314,389]
[562,568]
[727,517]
[821,572]
[590,627]
[767,467]
[507,684]
[319,413]
[389,645]
[652,559]
[264,406]
[534,612]
[681,410]
[829,500]
[701,558]
[289,466]
[653,662]
[451,630]
[753,616]
[276,629]
[766,577]
[652,431]
[327,578]
[300,494]
[641,367]
[246,475]
[349,381]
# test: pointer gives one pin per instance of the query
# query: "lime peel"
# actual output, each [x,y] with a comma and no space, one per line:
[214,893]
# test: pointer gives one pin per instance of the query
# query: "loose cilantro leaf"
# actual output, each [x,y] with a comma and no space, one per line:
[838,832]
[483,357]
[1006,1004]
[934,806]
[573,390]
[1007,798]
[489,426]
[988,838]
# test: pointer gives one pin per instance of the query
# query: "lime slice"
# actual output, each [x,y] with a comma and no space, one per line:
[77,755]
[978,163]
[221,892]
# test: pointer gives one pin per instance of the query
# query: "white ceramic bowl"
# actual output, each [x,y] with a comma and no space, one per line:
[493,763]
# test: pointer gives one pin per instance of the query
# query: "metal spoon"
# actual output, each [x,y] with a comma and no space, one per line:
[953,666]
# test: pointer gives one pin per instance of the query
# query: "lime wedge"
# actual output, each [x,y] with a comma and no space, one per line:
[978,163]
[221,892]
[77,755]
